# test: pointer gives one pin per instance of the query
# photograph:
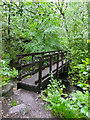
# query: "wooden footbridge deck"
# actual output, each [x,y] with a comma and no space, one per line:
[34,68]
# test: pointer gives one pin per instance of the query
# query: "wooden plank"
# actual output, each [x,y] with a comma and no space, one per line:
[30,80]
[43,78]
[31,73]
[45,66]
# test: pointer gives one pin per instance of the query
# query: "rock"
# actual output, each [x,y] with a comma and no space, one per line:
[7,90]
[71,88]
[18,109]
[16,92]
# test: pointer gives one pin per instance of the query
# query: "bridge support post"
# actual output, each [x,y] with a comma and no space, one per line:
[50,66]
[62,56]
[19,69]
[67,62]
[57,65]
[40,74]
[32,62]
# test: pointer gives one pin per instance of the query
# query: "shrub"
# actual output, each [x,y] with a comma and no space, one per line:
[6,72]
[75,106]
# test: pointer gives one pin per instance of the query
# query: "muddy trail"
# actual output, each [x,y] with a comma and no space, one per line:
[24,104]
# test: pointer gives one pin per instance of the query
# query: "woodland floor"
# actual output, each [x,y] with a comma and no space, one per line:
[32,101]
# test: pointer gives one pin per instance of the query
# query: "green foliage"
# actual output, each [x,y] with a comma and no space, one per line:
[77,24]
[79,73]
[6,72]
[14,103]
[43,26]
[80,101]
[75,106]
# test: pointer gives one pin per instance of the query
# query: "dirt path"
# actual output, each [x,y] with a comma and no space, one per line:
[33,102]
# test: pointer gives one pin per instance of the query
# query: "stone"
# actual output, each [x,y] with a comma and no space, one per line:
[16,92]
[7,90]
[21,108]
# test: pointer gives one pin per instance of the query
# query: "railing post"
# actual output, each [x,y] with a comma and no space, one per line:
[19,69]
[50,63]
[66,61]
[57,65]
[32,62]
[41,56]
[40,74]
[62,55]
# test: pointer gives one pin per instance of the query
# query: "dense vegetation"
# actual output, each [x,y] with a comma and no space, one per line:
[74,105]
[32,27]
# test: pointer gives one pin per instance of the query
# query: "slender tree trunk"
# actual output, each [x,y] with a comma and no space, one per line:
[9,21]
[9,18]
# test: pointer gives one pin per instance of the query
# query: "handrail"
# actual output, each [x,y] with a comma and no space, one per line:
[37,53]
[32,63]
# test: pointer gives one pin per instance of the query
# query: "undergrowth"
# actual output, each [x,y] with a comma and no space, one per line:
[73,106]
[6,72]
